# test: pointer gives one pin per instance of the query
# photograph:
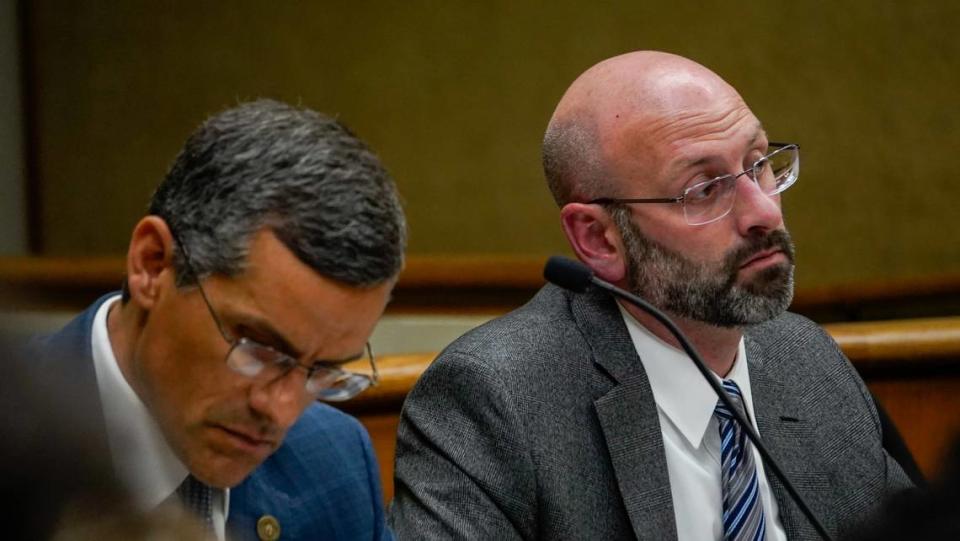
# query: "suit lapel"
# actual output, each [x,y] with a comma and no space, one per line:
[628,418]
[68,354]
[784,430]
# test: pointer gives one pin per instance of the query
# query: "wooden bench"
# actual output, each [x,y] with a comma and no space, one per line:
[911,366]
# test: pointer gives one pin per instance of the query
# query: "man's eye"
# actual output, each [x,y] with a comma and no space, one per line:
[762,166]
[702,192]
[265,354]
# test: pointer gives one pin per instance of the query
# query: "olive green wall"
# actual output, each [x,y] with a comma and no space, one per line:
[13,230]
[455,95]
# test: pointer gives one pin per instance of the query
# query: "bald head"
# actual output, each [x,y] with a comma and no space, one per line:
[642,92]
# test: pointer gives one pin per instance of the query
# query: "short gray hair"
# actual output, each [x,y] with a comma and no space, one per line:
[572,160]
[301,174]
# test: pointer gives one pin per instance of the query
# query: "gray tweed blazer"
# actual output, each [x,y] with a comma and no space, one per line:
[541,425]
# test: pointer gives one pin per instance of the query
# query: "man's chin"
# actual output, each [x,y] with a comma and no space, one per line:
[759,308]
[772,282]
[224,469]
[223,475]
[763,298]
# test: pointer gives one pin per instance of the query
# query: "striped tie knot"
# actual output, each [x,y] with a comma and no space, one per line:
[733,391]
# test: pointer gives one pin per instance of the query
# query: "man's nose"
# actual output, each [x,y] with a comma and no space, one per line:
[754,209]
[280,400]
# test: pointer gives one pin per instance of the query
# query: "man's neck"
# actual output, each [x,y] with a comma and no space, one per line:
[122,325]
[717,345]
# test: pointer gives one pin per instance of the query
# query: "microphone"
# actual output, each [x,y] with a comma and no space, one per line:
[567,274]
[576,277]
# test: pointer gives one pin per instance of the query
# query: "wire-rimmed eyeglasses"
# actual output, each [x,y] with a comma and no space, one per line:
[711,200]
[325,380]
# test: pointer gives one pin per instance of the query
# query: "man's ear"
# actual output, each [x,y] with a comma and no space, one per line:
[595,239]
[149,260]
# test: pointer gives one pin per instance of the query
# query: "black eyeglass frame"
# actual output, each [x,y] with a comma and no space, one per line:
[285,362]
[779,147]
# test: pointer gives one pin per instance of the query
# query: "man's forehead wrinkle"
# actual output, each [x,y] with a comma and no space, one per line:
[702,126]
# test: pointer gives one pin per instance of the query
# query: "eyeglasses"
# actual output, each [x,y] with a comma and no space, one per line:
[255,360]
[713,199]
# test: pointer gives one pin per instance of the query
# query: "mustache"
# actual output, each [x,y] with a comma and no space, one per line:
[778,239]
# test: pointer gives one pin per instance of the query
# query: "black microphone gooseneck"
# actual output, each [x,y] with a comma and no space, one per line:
[576,277]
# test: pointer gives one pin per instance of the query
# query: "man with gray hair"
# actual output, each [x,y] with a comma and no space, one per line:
[577,417]
[253,284]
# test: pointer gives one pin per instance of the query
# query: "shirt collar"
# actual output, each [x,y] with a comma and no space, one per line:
[140,454]
[679,390]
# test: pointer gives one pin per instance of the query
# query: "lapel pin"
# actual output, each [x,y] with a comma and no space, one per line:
[268,528]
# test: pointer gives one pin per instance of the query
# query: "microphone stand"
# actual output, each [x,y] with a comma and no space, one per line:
[566,265]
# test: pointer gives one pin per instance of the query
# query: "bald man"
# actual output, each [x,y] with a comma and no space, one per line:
[576,417]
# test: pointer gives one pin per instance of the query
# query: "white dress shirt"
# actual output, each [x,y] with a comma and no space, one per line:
[140,454]
[691,436]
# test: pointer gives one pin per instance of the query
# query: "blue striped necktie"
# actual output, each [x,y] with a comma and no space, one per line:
[742,508]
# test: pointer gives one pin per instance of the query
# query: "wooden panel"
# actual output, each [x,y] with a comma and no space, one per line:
[484,284]
[913,368]
[525,272]
[398,374]
[877,345]
[926,410]
[383,432]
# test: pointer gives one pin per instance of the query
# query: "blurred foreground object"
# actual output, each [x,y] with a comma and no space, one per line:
[63,485]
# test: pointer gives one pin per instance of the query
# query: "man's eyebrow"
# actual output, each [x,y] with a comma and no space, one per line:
[338,362]
[274,337]
[757,134]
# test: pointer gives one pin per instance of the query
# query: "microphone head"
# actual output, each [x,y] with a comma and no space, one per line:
[567,273]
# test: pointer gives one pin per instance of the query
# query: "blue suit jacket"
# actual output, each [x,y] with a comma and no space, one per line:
[322,483]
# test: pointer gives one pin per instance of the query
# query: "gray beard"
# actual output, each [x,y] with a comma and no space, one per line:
[708,292]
